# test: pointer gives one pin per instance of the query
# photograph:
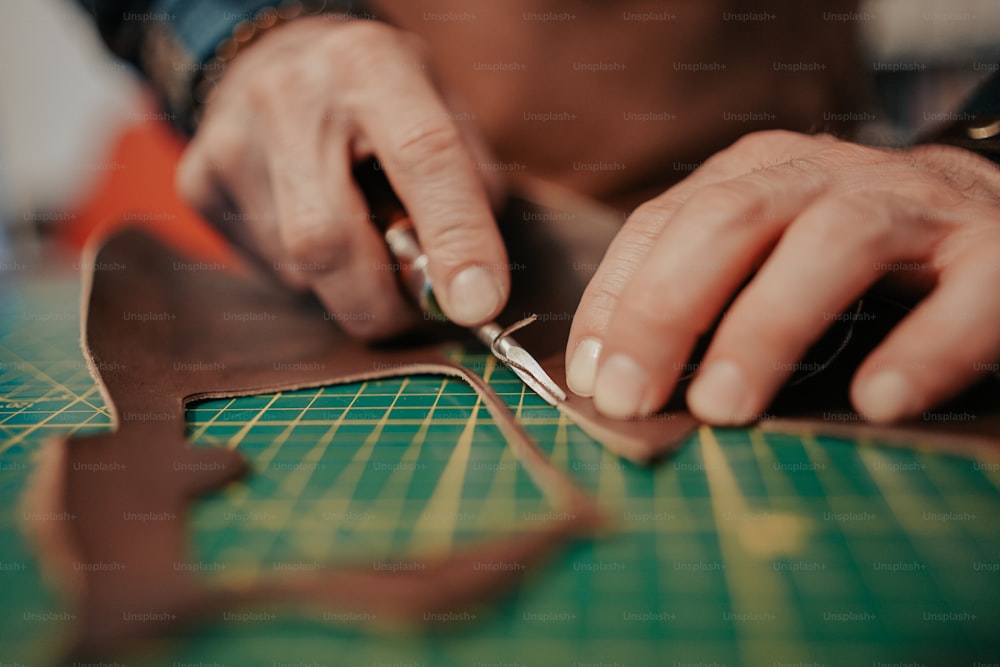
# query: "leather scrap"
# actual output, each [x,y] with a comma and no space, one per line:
[119,501]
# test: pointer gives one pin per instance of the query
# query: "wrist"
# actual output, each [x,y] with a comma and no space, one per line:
[190,42]
[264,23]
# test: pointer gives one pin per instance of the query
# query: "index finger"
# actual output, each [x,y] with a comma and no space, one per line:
[431,171]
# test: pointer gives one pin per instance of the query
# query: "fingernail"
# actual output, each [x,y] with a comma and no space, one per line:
[719,394]
[474,295]
[620,386]
[886,397]
[582,369]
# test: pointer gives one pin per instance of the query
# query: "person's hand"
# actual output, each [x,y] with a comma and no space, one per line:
[277,143]
[820,220]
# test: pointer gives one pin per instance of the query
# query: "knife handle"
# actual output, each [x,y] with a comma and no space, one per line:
[389,215]
[404,246]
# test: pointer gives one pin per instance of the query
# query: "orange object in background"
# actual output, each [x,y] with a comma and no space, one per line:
[137,189]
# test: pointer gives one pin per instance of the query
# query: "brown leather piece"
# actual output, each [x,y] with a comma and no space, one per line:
[124,495]
[119,501]
[639,440]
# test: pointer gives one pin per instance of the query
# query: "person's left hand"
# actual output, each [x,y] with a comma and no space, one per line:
[820,221]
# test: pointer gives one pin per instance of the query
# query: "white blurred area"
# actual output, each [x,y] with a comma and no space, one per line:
[62,98]
[62,95]
[942,31]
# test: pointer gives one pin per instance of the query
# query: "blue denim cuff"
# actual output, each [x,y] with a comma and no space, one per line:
[180,37]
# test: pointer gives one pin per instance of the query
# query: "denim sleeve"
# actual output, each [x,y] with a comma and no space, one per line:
[170,41]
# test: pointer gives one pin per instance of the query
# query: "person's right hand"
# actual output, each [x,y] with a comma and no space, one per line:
[278,140]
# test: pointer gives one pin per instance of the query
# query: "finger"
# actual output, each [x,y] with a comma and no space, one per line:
[328,239]
[829,256]
[431,171]
[946,343]
[196,184]
[488,168]
[702,256]
[230,189]
[644,226]
[623,256]
[216,158]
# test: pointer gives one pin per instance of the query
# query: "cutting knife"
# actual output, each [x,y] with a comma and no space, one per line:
[402,241]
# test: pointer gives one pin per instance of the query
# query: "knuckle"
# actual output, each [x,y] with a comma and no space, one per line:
[863,222]
[602,294]
[764,326]
[284,94]
[426,141]
[719,206]
[650,217]
[269,83]
[314,245]
[452,241]
[943,190]
[845,153]
[730,197]
[594,312]
[369,46]
[296,175]
[623,261]
[287,89]
[657,308]
[363,35]
[762,138]
[766,319]
[308,219]
[770,338]
[767,141]
[629,255]
[805,170]
[607,285]
[771,147]
[599,306]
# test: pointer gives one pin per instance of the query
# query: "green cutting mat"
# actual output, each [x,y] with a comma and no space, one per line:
[744,549]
